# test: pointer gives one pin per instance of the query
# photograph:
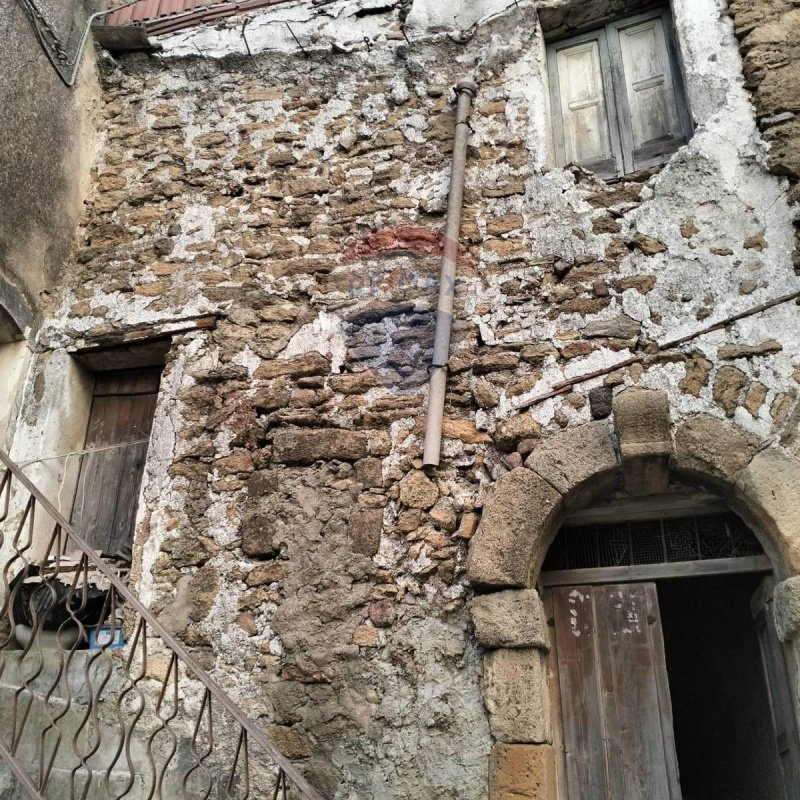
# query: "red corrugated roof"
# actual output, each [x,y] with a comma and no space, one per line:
[165,16]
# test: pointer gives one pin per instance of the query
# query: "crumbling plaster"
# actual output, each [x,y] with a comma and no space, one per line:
[286,531]
[335,25]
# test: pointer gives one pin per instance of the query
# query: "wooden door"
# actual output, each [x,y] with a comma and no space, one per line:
[120,421]
[616,716]
[781,703]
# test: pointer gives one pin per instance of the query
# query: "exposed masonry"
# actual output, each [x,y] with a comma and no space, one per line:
[287,532]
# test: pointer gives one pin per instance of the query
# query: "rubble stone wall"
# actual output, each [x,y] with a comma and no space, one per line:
[287,531]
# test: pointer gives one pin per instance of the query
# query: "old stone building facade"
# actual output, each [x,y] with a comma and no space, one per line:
[264,216]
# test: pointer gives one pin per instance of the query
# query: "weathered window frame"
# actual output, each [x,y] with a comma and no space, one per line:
[615,94]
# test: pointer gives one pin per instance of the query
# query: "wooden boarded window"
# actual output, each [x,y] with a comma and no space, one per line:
[120,421]
[617,99]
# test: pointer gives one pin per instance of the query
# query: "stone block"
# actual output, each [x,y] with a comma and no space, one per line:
[777,92]
[729,384]
[464,430]
[786,607]
[520,518]
[364,529]
[513,618]
[784,152]
[515,690]
[257,536]
[417,490]
[307,364]
[522,772]
[307,445]
[264,574]
[236,462]
[354,383]
[369,471]
[579,462]
[730,352]
[642,420]
[766,493]
[271,399]
[600,399]
[619,327]
[485,394]
[711,449]
[495,361]
[510,432]
[203,589]
[291,742]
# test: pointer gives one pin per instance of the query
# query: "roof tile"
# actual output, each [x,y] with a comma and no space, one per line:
[166,16]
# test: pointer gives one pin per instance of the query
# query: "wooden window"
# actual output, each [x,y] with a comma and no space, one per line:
[124,402]
[617,99]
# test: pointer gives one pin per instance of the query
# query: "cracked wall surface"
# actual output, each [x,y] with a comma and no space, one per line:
[287,531]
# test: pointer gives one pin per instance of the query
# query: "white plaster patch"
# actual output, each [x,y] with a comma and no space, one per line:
[429,16]
[248,359]
[634,304]
[324,335]
[286,28]
[197,225]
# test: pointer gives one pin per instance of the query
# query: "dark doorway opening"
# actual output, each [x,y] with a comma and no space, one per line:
[724,717]
[724,737]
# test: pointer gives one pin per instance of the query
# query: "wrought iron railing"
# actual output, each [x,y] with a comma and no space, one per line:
[133,715]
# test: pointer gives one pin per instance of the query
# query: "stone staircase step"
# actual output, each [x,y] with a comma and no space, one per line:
[61,786]
[70,724]
[73,722]
[87,668]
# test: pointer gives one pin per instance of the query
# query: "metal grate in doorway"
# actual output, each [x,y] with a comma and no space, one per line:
[660,541]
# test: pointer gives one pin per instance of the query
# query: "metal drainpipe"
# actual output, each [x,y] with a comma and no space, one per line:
[69,79]
[466,89]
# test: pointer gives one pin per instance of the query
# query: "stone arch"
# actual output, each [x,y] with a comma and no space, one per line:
[524,512]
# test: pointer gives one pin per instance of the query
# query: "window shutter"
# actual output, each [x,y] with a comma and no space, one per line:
[581,105]
[645,84]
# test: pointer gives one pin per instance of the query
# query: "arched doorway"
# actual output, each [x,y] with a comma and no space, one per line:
[641,454]
[665,672]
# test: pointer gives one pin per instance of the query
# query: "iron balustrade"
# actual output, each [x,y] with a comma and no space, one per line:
[118,720]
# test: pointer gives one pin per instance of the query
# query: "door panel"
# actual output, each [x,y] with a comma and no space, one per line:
[120,421]
[578,675]
[617,719]
[782,705]
[582,104]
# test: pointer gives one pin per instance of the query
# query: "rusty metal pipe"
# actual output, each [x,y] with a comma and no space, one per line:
[466,89]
